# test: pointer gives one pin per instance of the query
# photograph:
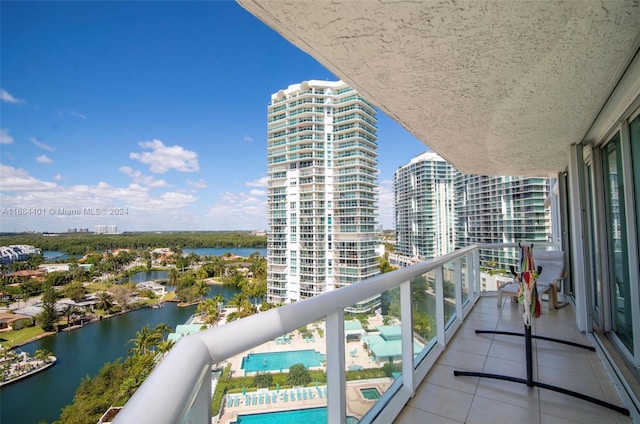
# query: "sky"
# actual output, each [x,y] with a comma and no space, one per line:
[150,115]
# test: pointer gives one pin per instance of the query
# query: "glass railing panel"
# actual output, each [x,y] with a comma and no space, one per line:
[288,372]
[465,279]
[423,313]
[372,354]
[449,285]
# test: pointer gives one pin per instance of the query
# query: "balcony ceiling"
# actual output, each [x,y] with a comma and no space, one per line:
[495,87]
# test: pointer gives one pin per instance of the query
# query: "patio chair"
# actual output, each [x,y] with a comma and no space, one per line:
[550,265]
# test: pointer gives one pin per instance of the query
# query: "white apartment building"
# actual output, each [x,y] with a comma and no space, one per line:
[105,229]
[439,209]
[506,209]
[424,207]
[322,191]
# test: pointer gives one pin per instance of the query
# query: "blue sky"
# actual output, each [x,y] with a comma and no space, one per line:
[152,111]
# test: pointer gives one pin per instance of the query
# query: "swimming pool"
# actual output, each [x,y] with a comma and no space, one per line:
[370,393]
[279,361]
[312,415]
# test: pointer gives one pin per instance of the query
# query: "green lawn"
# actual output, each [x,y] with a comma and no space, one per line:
[13,338]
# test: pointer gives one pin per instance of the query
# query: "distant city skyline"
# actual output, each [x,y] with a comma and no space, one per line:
[147,115]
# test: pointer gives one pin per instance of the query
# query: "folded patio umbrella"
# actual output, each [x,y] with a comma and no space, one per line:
[528,291]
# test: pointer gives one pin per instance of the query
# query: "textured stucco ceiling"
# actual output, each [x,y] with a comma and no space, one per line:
[496,87]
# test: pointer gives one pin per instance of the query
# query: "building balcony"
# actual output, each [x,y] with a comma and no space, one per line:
[419,385]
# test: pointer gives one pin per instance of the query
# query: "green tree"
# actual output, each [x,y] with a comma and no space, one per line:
[241,302]
[163,329]
[105,301]
[202,289]
[385,265]
[145,340]
[139,368]
[75,291]
[165,346]
[42,355]
[174,277]
[69,311]
[298,375]
[210,309]
[47,318]
[56,278]
[263,379]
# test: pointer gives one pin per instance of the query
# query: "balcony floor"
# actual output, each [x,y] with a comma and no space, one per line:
[445,398]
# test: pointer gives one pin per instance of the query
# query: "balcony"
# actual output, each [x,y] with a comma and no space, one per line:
[420,385]
[461,399]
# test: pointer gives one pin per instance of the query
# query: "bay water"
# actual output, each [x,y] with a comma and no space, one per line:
[83,352]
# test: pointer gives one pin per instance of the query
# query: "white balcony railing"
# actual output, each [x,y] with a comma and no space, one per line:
[179,389]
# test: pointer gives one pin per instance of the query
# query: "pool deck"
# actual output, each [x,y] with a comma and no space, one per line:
[355,355]
[249,403]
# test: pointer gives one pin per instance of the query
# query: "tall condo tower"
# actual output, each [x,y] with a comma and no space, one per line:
[322,191]
[439,209]
[492,209]
[424,207]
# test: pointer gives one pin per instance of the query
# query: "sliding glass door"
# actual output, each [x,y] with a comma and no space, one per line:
[619,284]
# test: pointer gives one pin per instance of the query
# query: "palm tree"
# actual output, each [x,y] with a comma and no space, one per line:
[202,289]
[165,346]
[209,308]
[145,340]
[163,329]
[69,311]
[105,301]
[241,301]
[174,277]
[42,355]
[217,265]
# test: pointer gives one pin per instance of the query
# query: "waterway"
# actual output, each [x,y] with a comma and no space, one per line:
[82,352]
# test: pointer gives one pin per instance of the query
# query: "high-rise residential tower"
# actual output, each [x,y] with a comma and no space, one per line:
[322,191]
[424,207]
[439,209]
[501,210]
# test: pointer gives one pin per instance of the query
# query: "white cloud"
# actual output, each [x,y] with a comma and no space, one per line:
[144,210]
[386,204]
[197,184]
[240,211]
[260,182]
[163,158]
[140,178]
[42,145]
[43,159]
[77,114]
[8,98]
[57,177]
[247,138]
[16,179]
[5,138]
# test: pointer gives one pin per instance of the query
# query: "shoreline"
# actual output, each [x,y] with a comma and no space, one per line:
[96,318]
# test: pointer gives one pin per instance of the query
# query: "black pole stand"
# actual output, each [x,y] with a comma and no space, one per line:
[529,381]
